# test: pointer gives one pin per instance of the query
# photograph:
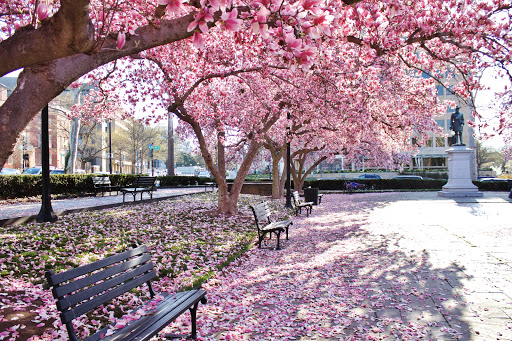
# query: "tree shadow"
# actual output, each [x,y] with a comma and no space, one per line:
[336,279]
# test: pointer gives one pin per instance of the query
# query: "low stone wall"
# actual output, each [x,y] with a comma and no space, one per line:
[257,188]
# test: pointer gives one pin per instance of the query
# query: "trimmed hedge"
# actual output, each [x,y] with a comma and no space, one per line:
[402,184]
[20,186]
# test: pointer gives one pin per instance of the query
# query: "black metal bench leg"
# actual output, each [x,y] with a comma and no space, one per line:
[193,311]
[278,235]
[193,320]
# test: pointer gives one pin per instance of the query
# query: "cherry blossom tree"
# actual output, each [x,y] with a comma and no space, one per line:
[56,42]
[331,114]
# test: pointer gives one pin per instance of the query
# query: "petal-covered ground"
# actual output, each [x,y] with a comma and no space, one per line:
[187,240]
[354,270]
[361,267]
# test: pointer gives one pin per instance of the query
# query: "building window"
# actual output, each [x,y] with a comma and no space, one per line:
[441,123]
[429,142]
[434,162]
[440,142]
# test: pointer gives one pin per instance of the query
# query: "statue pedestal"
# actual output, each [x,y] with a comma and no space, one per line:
[459,174]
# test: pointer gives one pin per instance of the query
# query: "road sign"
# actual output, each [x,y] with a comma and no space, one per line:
[156,147]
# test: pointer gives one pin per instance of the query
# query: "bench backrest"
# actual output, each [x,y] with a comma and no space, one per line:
[83,289]
[101,180]
[145,181]
[261,213]
[296,198]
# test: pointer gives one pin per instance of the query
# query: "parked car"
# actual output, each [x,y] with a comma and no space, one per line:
[369,176]
[9,171]
[493,179]
[204,174]
[414,177]
[33,171]
[57,171]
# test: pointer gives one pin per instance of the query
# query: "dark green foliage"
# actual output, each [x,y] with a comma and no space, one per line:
[20,186]
[175,181]
[381,184]
[402,184]
[492,185]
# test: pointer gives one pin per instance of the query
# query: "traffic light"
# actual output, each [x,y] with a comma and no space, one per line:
[151,153]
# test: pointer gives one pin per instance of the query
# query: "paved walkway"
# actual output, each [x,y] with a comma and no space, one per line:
[375,266]
[26,210]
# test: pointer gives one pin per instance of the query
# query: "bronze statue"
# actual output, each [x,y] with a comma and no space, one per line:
[457,124]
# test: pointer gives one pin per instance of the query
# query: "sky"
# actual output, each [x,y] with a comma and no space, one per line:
[486,103]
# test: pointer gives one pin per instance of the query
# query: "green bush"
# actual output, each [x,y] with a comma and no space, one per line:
[403,184]
[496,186]
[20,186]
[380,184]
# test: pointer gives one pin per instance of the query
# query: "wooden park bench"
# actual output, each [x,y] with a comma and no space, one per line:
[102,184]
[298,204]
[142,184]
[81,290]
[266,226]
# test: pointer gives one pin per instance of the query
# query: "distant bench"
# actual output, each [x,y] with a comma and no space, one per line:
[102,184]
[298,204]
[142,184]
[80,290]
[266,226]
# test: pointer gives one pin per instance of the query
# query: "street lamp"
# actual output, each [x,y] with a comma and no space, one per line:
[110,143]
[46,213]
[288,166]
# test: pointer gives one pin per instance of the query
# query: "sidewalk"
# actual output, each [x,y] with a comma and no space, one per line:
[23,212]
[374,266]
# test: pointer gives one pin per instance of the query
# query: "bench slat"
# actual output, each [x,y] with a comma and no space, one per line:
[167,311]
[68,316]
[56,279]
[133,324]
[125,277]
[109,272]
[105,280]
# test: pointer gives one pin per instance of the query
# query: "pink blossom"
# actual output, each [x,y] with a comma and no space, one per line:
[43,11]
[121,40]
[262,14]
[230,20]
[198,41]
[173,6]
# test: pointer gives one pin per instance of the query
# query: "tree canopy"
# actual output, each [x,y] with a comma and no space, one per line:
[57,42]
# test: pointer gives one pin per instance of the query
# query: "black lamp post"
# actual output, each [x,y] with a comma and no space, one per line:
[46,213]
[288,167]
[110,143]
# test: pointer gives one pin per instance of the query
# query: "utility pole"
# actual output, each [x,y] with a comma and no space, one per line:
[170,145]
[151,158]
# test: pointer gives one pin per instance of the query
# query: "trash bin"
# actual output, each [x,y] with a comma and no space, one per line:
[311,195]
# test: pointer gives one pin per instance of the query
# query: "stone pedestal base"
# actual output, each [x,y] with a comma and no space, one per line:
[459,175]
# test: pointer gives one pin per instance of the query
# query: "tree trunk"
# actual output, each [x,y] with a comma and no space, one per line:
[39,84]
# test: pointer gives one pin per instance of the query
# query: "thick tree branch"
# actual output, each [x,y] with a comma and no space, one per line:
[68,32]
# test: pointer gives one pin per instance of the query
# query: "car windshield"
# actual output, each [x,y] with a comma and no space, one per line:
[32,171]
[8,171]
